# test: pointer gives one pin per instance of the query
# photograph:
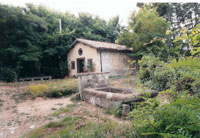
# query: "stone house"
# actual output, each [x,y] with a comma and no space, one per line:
[95,56]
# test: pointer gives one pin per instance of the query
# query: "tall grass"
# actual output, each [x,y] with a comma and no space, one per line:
[53,88]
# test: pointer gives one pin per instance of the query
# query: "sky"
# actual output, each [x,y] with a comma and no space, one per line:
[105,9]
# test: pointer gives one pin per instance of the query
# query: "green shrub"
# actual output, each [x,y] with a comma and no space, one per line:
[184,84]
[147,66]
[155,73]
[179,118]
[117,112]
[163,77]
[7,75]
[188,74]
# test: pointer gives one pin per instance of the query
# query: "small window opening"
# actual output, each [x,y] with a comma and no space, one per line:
[73,65]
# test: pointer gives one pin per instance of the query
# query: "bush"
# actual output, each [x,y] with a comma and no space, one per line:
[188,74]
[180,118]
[155,73]
[147,66]
[7,75]
[163,77]
[184,84]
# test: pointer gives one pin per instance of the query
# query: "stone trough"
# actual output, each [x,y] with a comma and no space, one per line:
[94,88]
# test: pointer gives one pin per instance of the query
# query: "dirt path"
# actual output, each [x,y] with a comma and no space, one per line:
[18,115]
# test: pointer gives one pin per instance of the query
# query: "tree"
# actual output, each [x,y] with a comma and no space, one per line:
[190,38]
[144,33]
[180,15]
[30,38]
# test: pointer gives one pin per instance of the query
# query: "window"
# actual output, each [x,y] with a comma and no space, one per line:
[89,62]
[72,64]
[80,51]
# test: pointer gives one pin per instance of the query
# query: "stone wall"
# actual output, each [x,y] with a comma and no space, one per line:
[93,88]
[92,80]
[115,62]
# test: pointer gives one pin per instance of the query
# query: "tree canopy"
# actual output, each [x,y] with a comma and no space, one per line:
[144,33]
[31,44]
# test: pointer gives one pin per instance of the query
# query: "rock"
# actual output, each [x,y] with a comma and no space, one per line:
[32,127]
[125,110]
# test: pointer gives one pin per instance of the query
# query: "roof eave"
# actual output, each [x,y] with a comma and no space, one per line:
[103,48]
[99,48]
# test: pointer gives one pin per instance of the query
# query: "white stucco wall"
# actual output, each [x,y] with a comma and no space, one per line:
[88,53]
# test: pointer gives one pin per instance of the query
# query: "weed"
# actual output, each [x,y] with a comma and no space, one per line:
[67,109]
[37,90]
[55,124]
[19,97]
[53,89]
[116,112]
[14,111]
[9,124]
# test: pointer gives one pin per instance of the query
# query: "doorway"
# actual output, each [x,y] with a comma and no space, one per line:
[80,65]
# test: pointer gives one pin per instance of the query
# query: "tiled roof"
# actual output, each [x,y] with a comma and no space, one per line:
[101,45]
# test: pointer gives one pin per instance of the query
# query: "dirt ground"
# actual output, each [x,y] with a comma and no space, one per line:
[19,114]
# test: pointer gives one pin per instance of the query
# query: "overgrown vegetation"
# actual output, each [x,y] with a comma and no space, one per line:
[156,74]
[53,89]
[182,73]
[116,112]
[80,127]
[178,78]
[179,118]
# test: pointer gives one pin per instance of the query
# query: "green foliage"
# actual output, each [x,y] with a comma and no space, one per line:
[32,45]
[145,32]
[7,74]
[116,112]
[188,73]
[178,118]
[179,17]
[55,125]
[190,39]
[90,67]
[163,77]
[155,73]
[53,89]
[183,73]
